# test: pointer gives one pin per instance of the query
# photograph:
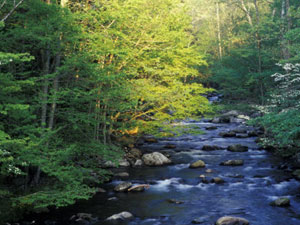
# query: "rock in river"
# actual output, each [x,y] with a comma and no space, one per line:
[197,164]
[233,162]
[134,153]
[174,201]
[138,163]
[211,128]
[227,134]
[122,187]
[230,220]
[170,146]
[83,218]
[120,216]
[122,174]
[242,135]
[281,202]
[155,159]
[211,147]
[217,180]
[237,148]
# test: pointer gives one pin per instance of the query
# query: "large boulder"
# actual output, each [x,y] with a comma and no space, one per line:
[197,164]
[237,148]
[231,220]
[281,202]
[120,216]
[122,187]
[155,159]
[233,162]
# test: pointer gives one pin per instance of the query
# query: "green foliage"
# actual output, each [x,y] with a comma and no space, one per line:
[159,130]
[282,118]
[83,76]
[283,131]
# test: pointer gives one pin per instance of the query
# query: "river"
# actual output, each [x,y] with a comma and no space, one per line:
[247,191]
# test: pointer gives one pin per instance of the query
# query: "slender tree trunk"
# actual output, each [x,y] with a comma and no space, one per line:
[64,3]
[285,19]
[247,12]
[55,90]
[104,129]
[258,39]
[44,99]
[219,30]
[45,89]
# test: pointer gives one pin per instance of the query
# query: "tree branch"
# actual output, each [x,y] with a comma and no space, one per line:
[12,10]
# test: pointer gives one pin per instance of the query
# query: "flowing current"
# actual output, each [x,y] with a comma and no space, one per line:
[246,193]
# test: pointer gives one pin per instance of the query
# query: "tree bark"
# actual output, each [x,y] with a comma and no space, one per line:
[55,90]
[219,30]
[244,8]
[287,23]
[11,11]
[258,39]
[45,89]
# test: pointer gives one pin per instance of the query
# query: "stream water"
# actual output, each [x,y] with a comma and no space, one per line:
[248,196]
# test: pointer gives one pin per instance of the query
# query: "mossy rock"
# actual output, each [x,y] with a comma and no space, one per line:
[197,164]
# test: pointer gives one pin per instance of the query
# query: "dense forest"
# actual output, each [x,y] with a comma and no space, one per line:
[80,81]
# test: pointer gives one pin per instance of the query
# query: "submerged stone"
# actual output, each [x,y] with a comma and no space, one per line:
[233,162]
[237,148]
[281,202]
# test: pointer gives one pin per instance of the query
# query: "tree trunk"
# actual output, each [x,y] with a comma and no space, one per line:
[45,89]
[219,30]
[258,40]
[247,12]
[285,19]
[64,3]
[55,90]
